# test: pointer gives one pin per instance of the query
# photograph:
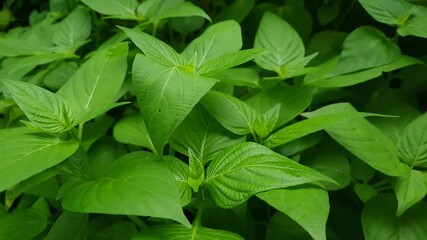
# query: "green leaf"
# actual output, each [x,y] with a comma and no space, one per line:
[203,134]
[117,8]
[197,170]
[226,61]
[296,203]
[178,232]
[321,79]
[154,49]
[131,129]
[410,189]
[165,96]
[182,9]
[281,227]
[245,169]
[412,145]
[234,114]
[246,77]
[22,225]
[24,155]
[366,47]
[45,109]
[73,31]
[415,26]
[394,12]
[218,39]
[135,184]
[363,140]
[292,99]
[93,87]
[276,34]
[180,171]
[364,191]
[69,226]
[379,220]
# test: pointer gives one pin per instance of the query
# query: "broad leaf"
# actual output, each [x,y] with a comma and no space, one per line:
[296,203]
[231,112]
[380,222]
[94,86]
[165,96]
[410,190]
[218,39]
[45,109]
[415,26]
[363,140]
[277,35]
[180,171]
[203,134]
[178,232]
[24,154]
[73,31]
[154,49]
[245,169]
[69,226]
[391,12]
[22,224]
[412,145]
[366,47]
[131,129]
[134,184]
[116,8]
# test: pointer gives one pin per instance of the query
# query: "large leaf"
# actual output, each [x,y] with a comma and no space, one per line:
[366,47]
[363,140]
[277,35]
[73,30]
[45,109]
[410,190]
[231,112]
[296,203]
[380,222]
[94,86]
[245,169]
[135,184]
[412,145]
[22,225]
[203,134]
[24,155]
[69,226]
[391,12]
[117,8]
[177,232]
[154,49]
[131,129]
[165,96]
[218,39]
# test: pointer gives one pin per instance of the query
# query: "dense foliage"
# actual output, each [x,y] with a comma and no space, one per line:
[244,119]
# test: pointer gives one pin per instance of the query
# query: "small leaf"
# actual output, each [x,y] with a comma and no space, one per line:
[231,112]
[365,191]
[246,77]
[178,232]
[393,12]
[197,171]
[380,222]
[154,49]
[93,87]
[69,226]
[45,109]
[165,96]
[410,189]
[116,8]
[297,202]
[22,224]
[134,184]
[245,169]
[412,145]
[73,31]
[24,155]
[182,9]
[415,26]
[131,129]
[180,171]
[276,34]
[218,39]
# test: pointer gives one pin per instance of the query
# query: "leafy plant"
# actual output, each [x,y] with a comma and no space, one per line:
[173,119]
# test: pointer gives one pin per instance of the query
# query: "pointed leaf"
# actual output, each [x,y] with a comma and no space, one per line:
[412,146]
[246,77]
[24,155]
[180,171]
[131,129]
[231,112]
[135,184]
[197,170]
[69,226]
[183,9]
[93,87]
[122,8]
[245,169]
[296,203]
[410,190]
[165,96]
[178,232]
[391,12]
[45,109]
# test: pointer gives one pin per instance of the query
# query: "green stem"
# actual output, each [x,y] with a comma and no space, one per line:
[138,222]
